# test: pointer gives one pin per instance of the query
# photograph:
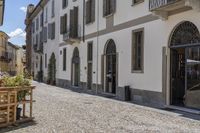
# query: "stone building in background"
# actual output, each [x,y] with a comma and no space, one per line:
[3,51]
[20,61]
[11,58]
[29,45]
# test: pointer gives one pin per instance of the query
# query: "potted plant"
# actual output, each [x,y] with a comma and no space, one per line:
[17,81]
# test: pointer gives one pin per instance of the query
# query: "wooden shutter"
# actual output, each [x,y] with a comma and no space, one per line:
[41,37]
[113,6]
[45,34]
[61,25]
[37,40]
[88,12]
[93,10]
[75,21]
[49,31]
[71,22]
[104,8]
[53,31]
[67,3]
[63,3]
[65,24]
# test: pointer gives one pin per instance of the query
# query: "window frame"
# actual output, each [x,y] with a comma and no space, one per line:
[133,62]
[90,51]
[64,4]
[136,3]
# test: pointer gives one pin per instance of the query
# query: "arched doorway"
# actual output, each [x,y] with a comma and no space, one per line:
[52,70]
[75,68]
[185,66]
[110,67]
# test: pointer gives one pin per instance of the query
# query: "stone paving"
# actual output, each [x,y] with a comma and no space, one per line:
[59,110]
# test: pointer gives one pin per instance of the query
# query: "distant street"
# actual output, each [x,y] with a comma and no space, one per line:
[59,110]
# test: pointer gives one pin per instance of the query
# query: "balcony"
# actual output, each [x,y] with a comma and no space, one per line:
[35,47]
[38,49]
[165,8]
[73,35]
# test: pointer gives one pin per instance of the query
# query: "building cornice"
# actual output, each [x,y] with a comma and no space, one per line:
[38,8]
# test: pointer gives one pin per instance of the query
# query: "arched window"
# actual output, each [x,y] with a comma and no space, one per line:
[110,47]
[185,33]
[76,56]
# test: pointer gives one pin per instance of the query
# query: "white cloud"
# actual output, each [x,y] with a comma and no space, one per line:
[17,33]
[24,9]
[23,34]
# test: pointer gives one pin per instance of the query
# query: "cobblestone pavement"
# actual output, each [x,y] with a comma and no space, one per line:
[60,110]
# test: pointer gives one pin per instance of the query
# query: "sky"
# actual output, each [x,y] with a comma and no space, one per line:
[14,16]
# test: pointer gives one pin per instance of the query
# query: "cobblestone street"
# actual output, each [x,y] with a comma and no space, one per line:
[59,110]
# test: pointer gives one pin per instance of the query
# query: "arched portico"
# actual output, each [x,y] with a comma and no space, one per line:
[185,66]
[110,67]
[75,68]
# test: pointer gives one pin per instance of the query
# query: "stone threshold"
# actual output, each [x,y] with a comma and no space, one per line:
[187,110]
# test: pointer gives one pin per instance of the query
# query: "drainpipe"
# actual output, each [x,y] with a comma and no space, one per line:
[97,67]
[83,21]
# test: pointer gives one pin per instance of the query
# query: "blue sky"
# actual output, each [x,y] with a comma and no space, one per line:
[14,20]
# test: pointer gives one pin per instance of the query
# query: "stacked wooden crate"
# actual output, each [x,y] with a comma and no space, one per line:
[8,102]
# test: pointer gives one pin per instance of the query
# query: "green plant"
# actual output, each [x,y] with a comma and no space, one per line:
[52,69]
[17,81]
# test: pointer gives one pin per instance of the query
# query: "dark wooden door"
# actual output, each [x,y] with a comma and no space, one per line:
[177,76]
[111,73]
[89,76]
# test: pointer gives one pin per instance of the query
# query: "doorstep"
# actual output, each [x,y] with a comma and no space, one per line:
[108,95]
[193,111]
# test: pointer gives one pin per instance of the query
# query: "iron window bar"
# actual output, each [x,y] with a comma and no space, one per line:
[185,45]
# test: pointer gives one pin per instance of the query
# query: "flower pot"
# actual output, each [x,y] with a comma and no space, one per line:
[18,113]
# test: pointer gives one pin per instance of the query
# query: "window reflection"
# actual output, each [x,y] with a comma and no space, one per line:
[192,97]
[193,69]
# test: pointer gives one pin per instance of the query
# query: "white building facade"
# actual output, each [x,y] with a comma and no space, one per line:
[106,46]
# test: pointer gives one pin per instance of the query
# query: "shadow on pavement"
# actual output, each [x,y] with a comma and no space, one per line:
[13,128]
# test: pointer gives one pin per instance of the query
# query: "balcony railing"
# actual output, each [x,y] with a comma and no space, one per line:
[155,4]
[72,35]
[38,49]
[35,47]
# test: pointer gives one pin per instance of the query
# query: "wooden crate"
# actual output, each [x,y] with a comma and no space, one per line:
[9,104]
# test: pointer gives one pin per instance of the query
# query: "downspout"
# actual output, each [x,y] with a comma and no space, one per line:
[83,21]
[97,67]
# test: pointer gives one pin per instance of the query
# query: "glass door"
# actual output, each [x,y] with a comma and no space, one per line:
[192,96]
